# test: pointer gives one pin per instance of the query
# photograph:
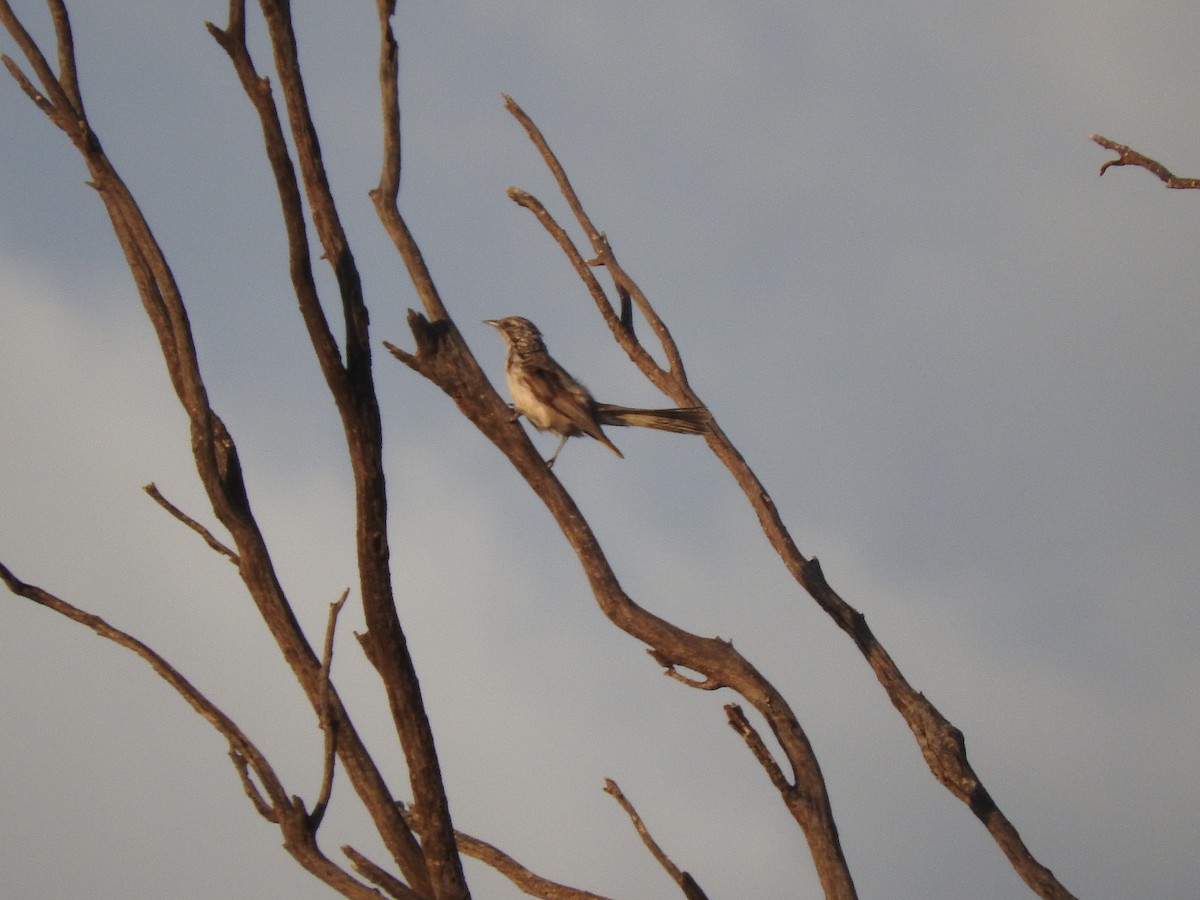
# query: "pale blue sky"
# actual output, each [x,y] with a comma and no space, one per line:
[964,366]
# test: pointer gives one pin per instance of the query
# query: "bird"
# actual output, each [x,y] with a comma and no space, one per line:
[550,398]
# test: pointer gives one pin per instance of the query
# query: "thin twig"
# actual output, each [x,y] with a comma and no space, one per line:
[529,882]
[277,798]
[583,268]
[379,876]
[68,75]
[620,324]
[385,195]
[329,725]
[739,723]
[191,523]
[58,104]
[1127,156]
[276,806]
[687,884]
[27,86]
[601,248]
[251,789]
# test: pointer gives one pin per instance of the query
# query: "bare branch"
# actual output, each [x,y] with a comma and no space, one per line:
[54,100]
[687,884]
[940,742]
[264,809]
[277,797]
[529,882]
[68,75]
[386,195]
[217,463]
[604,256]
[327,721]
[27,86]
[276,806]
[232,40]
[432,866]
[739,723]
[191,523]
[1129,157]
[378,876]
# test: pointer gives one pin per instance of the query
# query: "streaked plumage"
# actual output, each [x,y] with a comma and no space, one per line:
[546,394]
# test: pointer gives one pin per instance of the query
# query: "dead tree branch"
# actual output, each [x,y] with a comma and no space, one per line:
[440,357]
[529,882]
[268,794]
[1126,156]
[327,722]
[386,195]
[380,877]
[940,742]
[209,538]
[216,455]
[687,884]
[429,859]
[352,386]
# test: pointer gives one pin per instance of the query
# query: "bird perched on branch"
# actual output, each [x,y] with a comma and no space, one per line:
[546,394]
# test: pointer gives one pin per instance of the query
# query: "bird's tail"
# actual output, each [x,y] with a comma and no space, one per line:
[688,420]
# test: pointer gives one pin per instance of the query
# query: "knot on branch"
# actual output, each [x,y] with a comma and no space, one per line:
[430,337]
[443,357]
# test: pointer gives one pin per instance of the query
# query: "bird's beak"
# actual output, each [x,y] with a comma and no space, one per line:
[495,323]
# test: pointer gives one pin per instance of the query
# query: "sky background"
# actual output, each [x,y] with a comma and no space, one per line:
[963,365]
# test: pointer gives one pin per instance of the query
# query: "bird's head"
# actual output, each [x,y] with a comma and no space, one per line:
[521,334]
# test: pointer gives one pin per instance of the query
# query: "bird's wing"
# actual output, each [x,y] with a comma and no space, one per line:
[555,388]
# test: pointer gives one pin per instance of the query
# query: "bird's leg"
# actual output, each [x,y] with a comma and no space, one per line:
[554,455]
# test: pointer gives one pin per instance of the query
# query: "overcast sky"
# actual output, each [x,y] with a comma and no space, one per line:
[965,367]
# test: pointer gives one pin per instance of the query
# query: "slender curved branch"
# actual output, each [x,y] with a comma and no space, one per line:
[241,766]
[276,806]
[667,381]
[385,196]
[1126,156]
[691,890]
[209,538]
[605,257]
[220,472]
[327,721]
[352,387]
[55,100]
[740,724]
[238,742]
[528,881]
[385,880]
[940,742]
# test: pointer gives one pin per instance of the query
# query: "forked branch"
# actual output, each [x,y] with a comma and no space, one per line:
[216,454]
[351,383]
[620,326]
[1127,156]
[940,742]
[266,791]
[528,881]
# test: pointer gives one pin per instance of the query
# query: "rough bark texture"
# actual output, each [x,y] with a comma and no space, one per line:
[421,839]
